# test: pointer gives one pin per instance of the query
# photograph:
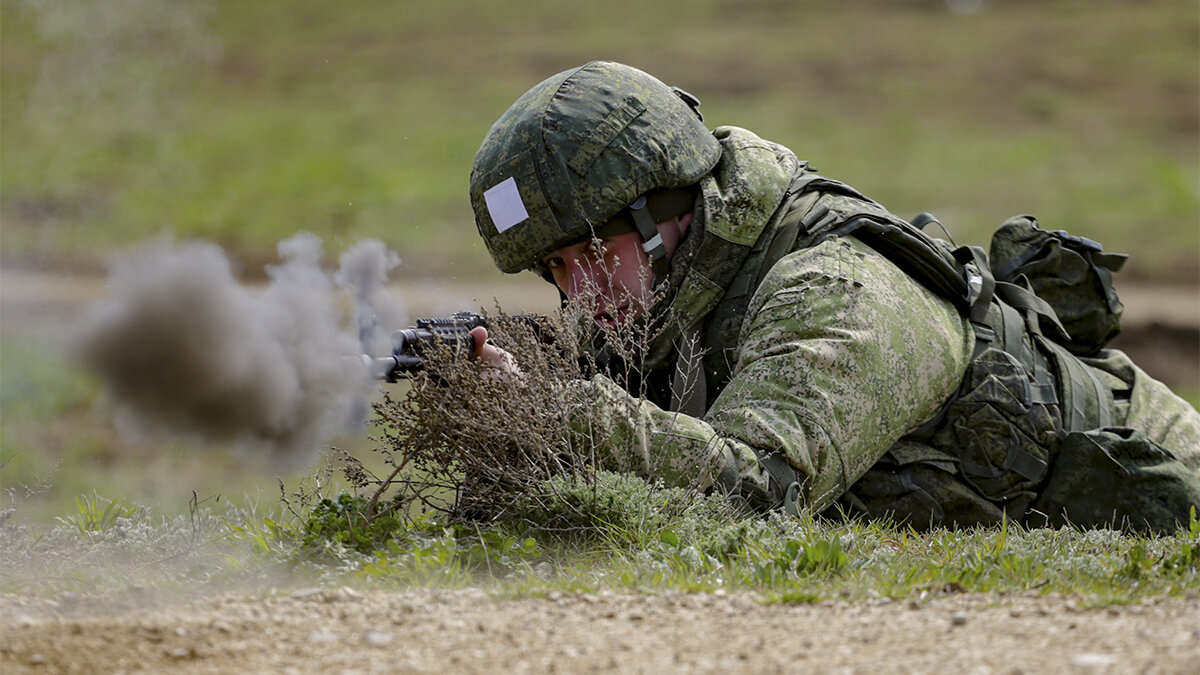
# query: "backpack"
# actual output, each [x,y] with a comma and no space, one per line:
[1072,274]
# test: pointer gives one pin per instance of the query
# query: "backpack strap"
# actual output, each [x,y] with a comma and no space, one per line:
[1041,316]
[961,276]
[981,285]
[1087,402]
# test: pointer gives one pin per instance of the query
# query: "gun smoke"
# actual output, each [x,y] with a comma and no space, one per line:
[184,348]
[364,271]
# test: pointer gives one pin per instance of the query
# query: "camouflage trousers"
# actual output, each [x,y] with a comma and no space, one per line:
[1142,474]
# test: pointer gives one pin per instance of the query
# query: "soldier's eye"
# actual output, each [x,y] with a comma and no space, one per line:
[552,263]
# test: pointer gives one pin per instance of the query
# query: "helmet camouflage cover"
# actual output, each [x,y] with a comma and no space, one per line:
[575,150]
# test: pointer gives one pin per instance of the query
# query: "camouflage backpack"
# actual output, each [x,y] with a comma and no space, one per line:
[1072,274]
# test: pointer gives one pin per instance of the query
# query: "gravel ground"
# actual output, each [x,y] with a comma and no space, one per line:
[347,631]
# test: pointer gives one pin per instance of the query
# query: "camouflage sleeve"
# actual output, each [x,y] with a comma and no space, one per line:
[632,435]
[840,354]
[1153,408]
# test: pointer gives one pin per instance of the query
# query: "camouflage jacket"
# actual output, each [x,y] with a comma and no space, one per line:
[825,358]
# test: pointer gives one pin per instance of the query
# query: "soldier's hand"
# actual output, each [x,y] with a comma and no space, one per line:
[501,362]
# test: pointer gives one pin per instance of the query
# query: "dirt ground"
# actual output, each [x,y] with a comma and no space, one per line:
[347,631]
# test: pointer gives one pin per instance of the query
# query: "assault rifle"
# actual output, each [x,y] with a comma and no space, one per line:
[411,347]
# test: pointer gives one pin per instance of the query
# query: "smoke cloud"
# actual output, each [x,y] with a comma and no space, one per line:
[184,348]
[364,272]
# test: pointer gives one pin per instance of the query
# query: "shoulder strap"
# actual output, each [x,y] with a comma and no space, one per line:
[961,275]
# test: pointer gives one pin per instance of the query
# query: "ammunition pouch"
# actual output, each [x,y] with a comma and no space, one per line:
[1143,487]
[917,485]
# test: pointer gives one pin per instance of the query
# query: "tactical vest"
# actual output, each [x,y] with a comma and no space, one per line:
[1023,389]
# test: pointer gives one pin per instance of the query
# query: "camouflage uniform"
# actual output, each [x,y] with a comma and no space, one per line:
[827,366]
[827,355]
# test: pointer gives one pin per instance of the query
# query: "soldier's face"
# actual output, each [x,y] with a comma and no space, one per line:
[611,273]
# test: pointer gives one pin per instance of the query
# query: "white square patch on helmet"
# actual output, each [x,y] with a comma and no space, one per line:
[504,204]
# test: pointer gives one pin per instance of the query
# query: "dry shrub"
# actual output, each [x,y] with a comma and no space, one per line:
[469,442]
[465,440]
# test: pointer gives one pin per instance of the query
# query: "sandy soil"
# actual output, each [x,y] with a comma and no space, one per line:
[346,631]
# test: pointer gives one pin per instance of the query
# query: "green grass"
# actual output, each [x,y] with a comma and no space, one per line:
[635,538]
[245,123]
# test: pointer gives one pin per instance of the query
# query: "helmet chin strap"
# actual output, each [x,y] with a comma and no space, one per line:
[643,215]
[652,241]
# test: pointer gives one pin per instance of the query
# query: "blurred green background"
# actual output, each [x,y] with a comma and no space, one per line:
[246,122]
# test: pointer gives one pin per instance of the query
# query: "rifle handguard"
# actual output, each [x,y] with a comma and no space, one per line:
[412,346]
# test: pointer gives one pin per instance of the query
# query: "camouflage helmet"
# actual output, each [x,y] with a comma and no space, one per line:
[577,149]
